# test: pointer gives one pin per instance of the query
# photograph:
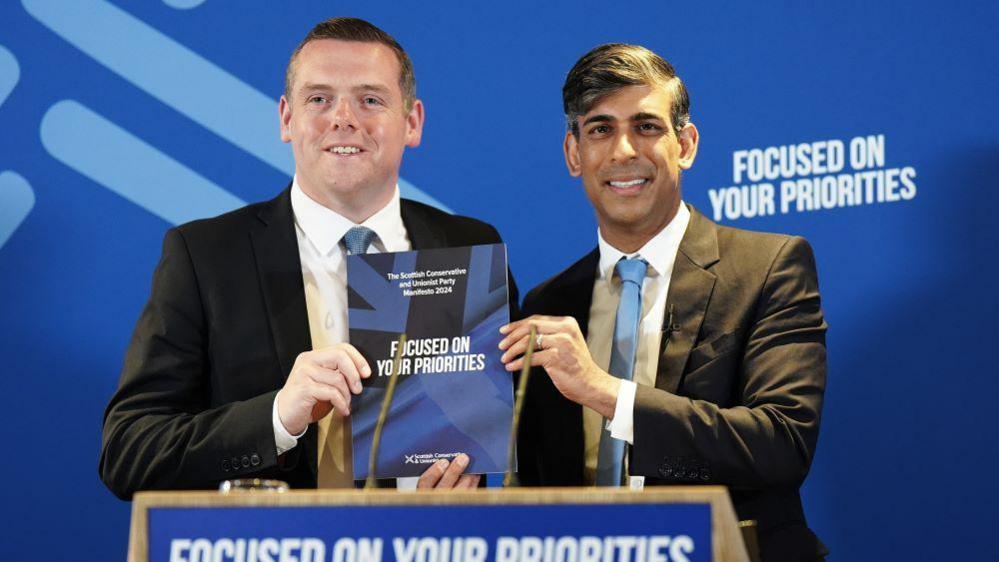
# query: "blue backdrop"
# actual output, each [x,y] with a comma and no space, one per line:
[120,120]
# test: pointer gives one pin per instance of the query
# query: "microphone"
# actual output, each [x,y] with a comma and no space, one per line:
[670,325]
[376,441]
[510,477]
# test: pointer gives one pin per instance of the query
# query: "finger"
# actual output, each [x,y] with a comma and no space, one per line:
[333,395]
[432,475]
[350,373]
[360,363]
[468,482]
[528,321]
[340,356]
[513,325]
[453,472]
[340,361]
[538,359]
[516,349]
[346,366]
[543,324]
[323,376]
[523,322]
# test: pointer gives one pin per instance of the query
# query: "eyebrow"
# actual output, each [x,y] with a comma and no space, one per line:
[641,116]
[361,88]
[372,88]
[314,86]
[601,118]
[645,116]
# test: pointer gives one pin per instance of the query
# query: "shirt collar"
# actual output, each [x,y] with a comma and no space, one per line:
[325,227]
[659,251]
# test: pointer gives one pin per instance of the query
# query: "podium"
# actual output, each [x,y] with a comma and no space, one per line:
[669,524]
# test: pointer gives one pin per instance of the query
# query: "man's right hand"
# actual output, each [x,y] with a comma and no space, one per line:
[320,381]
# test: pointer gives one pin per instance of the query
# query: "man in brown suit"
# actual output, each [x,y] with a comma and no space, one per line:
[723,354]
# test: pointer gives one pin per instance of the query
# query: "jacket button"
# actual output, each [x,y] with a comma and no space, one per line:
[246,461]
[254,459]
[226,467]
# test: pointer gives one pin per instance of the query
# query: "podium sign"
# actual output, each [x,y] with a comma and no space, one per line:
[547,525]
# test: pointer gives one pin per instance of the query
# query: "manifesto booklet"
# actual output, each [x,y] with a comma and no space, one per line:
[453,394]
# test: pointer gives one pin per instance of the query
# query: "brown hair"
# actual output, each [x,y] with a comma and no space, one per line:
[355,29]
[613,66]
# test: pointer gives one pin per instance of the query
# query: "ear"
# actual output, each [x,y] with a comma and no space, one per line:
[688,139]
[414,124]
[284,113]
[571,148]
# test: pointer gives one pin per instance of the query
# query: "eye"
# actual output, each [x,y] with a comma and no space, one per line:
[649,128]
[600,130]
[317,99]
[371,100]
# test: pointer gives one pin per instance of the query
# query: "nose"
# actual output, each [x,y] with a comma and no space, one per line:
[624,148]
[343,116]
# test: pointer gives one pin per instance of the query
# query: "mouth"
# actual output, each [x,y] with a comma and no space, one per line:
[344,150]
[626,186]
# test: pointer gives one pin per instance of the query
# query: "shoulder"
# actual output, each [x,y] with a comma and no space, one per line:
[456,229]
[742,251]
[233,223]
[225,241]
[561,292]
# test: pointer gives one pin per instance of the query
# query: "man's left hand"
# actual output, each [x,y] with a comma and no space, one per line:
[448,475]
[564,356]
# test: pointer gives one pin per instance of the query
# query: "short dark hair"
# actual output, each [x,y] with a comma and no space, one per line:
[356,29]
[613,66]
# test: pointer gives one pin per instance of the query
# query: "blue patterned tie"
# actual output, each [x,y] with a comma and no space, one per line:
[358,239]
[610,459]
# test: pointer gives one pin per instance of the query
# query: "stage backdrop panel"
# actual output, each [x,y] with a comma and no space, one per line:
[122,119]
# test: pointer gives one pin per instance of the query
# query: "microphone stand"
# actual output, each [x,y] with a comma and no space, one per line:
[376,441]
[510,477]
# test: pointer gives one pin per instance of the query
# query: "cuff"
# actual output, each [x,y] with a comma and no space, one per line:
[623,425]
[407,484]
[282,439]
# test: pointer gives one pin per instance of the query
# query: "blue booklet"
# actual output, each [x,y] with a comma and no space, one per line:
[453,394]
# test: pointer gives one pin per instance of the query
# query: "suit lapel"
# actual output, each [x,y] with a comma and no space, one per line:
[574,293]
[422,233]
[279,269]
[690,289]
[577,289]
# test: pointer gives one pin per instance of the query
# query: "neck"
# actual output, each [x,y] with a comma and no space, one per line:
[629,238]
[357,206]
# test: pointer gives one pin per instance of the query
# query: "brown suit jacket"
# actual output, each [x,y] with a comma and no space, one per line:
[739,383]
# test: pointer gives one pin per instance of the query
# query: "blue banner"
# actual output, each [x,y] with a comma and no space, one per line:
[498,533]
[869,128]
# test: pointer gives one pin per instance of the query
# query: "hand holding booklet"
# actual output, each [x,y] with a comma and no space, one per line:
[453,394]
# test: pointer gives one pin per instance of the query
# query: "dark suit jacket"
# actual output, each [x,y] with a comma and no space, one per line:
[739,384]
[224,323]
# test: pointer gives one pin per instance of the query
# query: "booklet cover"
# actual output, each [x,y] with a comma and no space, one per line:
[453,394]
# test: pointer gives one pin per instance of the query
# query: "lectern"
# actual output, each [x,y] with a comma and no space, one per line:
[671,524]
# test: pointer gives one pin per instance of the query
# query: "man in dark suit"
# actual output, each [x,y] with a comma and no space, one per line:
[678,351]
[239,365]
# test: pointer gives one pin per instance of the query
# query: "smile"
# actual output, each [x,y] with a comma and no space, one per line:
[344,150]
[627,187]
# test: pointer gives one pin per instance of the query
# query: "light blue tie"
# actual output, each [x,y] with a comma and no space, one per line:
[358,239]
[610,459]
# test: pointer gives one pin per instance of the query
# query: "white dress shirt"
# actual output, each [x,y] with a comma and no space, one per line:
[324,272]
[660,253]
